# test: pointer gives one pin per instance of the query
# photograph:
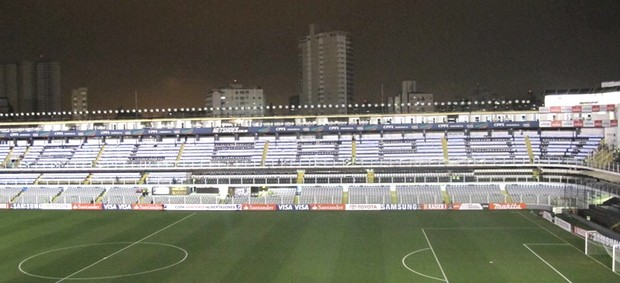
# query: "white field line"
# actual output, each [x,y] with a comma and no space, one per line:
[618,274]
[435,255]
[547,263]
[482,228]
[410,269]
[121,250]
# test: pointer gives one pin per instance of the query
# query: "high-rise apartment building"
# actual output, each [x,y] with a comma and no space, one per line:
[326,70]
[235,100]
[31,86]
[48,86]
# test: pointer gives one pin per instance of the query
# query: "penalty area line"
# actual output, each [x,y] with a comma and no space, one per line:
[547,263]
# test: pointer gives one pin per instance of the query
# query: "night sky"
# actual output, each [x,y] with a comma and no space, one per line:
[173,52]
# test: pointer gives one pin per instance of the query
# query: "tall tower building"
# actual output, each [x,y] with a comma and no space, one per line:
[31,86]
[326,70]
[48,86]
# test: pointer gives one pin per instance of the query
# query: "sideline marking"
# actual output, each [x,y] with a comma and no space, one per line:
[547,263]
[104,277]
[565,241]
[121,250]
[435,255]
[418,273]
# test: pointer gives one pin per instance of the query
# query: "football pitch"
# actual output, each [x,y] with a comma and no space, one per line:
[395,246]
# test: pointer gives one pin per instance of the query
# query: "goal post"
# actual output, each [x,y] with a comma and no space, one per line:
[616,258]
[593,245]
[598,244]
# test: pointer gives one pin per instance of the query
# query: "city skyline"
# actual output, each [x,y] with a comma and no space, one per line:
[172,54]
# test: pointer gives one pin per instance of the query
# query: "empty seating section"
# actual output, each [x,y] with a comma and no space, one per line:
[320,194]
[37,195]
[475,193]
[116,153]
[7,194]
[79,195]
[549,194]
[317,151]
[419,194]
[122,195]
[363,194]
[155,153]
[166,178]
[197,151]
[18,178]
[119,178]
[234,152]
[271,196]
[558,145]
[412,177]
[282,152]
[394,148]
[62,178]
[311,178]
[189,199]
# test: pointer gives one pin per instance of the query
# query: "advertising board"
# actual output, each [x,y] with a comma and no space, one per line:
[362,206]
[86,206]
[327,206]
[506,206]
[147,206]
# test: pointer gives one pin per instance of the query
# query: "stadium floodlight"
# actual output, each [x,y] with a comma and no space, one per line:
[342,105]
[356,105]
[390,105]
[193,109]
[174,110]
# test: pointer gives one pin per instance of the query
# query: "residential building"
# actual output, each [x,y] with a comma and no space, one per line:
[235,100]
[410,100]
[326,60]
[31,86]
[79,102]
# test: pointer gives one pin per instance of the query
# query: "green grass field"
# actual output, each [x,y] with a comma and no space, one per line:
[398,246]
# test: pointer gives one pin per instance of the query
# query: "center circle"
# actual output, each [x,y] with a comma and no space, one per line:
[110,257]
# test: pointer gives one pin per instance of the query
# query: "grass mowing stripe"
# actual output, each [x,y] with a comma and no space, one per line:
[547,263]
[125,248]
[435,255]
[562,239]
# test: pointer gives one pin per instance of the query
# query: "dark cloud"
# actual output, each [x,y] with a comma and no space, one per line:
[173,52]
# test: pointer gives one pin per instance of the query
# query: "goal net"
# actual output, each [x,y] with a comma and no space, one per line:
[597,244]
